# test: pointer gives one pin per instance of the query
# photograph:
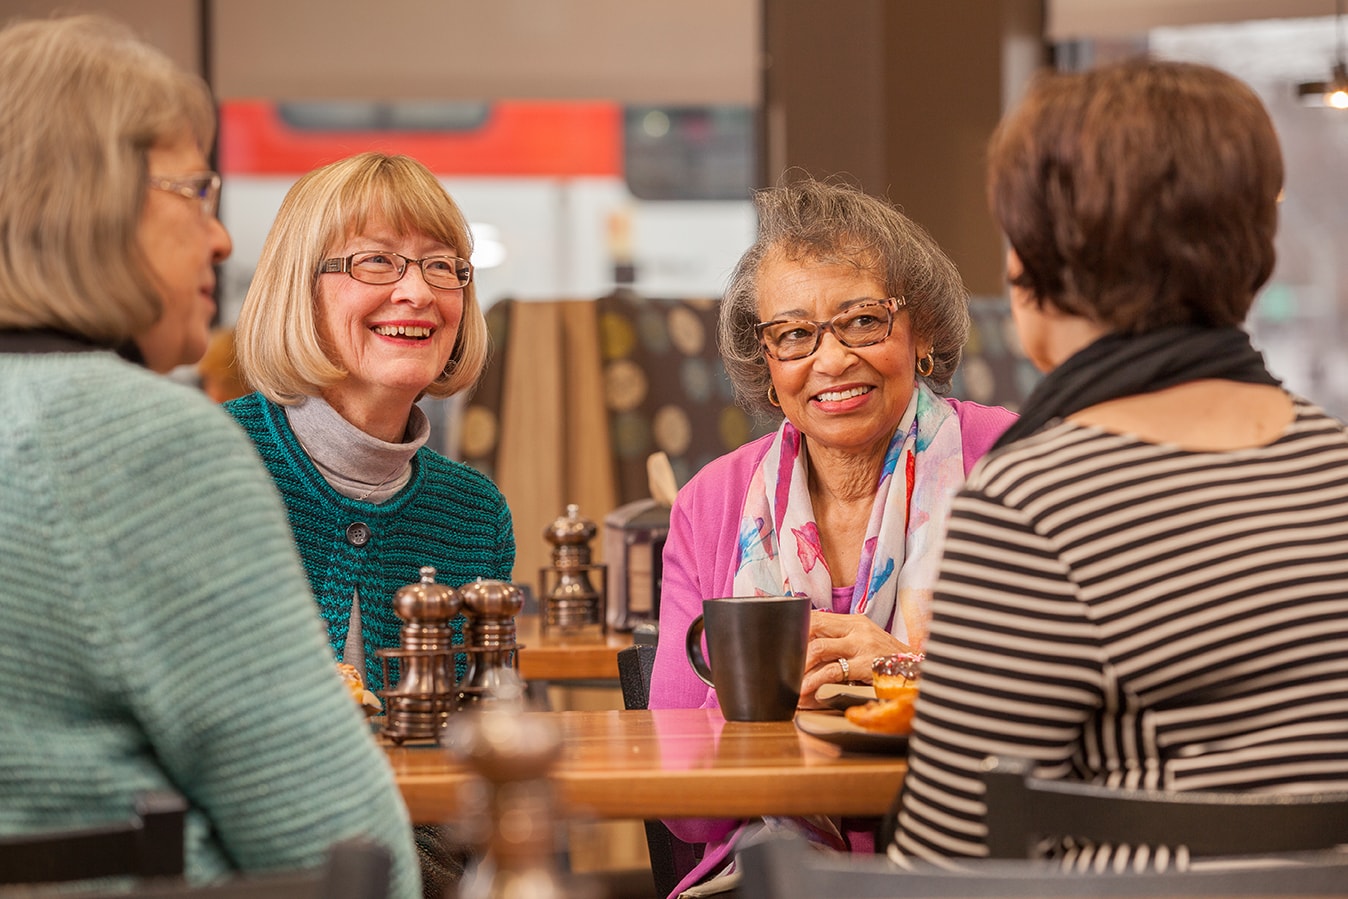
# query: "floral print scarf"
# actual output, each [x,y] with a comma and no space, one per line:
[780,552]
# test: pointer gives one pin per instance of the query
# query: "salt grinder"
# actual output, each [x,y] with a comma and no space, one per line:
[491,607]
[418,707]
[571,602]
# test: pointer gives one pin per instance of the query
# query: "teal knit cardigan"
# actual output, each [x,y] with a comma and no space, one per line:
[449,516]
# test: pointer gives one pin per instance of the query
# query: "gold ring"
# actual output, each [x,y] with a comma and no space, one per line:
[842,663]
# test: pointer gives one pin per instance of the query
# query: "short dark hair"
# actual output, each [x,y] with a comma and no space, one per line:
[1141,195]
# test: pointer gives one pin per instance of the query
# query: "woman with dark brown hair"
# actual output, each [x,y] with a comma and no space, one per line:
[1145,582]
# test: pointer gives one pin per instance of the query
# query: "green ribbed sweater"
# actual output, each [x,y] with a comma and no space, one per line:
[449,516]
[157,631]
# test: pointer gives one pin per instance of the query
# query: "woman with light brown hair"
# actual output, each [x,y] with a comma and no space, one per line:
[1145,583]
[156,628]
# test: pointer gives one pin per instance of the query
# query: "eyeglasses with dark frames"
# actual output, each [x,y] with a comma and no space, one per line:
[203,187]
[869,322]
[380,267]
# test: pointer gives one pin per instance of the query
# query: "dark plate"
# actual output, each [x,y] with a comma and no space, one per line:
[834,728]
[842,696]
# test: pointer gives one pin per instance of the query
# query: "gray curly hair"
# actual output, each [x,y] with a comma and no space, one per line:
[837,223]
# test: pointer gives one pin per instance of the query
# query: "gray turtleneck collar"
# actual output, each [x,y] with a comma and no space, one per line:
[357,465]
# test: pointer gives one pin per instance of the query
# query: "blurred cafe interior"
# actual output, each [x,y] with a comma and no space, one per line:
[605,152]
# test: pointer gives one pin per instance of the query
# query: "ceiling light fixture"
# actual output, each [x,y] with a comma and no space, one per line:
[1333,92]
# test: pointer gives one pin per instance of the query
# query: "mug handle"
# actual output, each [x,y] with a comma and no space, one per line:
[693,648]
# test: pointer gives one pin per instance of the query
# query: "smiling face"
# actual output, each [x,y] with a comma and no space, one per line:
[183,246]
[840,398]
[392,339]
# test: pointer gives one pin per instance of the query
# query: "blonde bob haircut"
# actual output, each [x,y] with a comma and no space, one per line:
[82,101]
[276,337]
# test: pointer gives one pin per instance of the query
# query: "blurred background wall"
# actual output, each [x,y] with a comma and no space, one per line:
[606,150]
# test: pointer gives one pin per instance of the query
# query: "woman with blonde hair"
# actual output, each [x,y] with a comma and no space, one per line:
[363,302]
[156,628]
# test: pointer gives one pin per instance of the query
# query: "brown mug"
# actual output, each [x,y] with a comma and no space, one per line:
[755,654]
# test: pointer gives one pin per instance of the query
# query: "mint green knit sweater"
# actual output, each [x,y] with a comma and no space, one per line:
[157,630]
[449,516]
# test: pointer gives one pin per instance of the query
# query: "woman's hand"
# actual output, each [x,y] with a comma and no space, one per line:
[854,639]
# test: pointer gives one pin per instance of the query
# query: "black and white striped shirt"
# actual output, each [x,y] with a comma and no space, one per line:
[1137,615]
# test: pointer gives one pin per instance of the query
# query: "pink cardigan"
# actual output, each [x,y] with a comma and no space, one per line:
[699,562]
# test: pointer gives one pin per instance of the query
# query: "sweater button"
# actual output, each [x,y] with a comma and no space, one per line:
[358,534]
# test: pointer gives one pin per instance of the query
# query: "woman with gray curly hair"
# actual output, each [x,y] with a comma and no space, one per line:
[846,319]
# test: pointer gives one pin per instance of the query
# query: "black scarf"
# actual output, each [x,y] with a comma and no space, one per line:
[50,340]
[1118,365]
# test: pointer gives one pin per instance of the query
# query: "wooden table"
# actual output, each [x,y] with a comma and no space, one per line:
[556,657]
[674,763]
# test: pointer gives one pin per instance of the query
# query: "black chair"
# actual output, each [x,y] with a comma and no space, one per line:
[671,858]
[355,869]
[149,844]
[635,664]
[1023,811]
[784,866]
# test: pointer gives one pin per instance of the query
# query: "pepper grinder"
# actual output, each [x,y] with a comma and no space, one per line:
[572,603]
[491,607]
[512,752]
[418,707]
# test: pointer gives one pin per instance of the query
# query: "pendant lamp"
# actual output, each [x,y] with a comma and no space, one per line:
[1333,92]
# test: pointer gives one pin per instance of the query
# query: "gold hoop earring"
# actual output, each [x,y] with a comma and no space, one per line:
[930,366]
[772,396]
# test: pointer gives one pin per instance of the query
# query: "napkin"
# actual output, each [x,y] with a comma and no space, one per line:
[660,475]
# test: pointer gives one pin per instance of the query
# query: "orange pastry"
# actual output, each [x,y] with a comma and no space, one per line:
[895,679]
[890,716]
[363,697]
